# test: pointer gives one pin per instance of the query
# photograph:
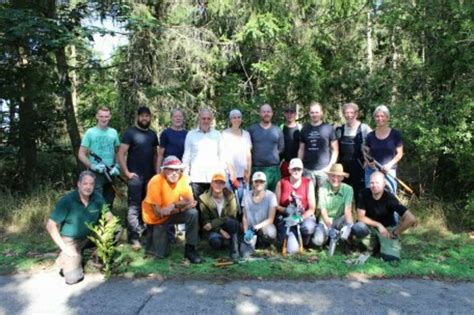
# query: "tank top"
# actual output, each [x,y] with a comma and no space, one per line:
[287,188]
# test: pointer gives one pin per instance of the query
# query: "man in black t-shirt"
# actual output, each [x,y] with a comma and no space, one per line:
[318,146]
[376,224]
[291,133]
[140,144]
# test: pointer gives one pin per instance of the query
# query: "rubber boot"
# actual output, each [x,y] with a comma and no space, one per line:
[234,247]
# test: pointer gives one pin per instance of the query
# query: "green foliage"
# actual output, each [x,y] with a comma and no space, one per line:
[103,237]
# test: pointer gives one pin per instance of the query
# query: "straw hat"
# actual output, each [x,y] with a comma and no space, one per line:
[337,169]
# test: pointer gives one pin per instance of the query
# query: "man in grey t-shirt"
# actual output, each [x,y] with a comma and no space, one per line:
[259,208]
[267,145]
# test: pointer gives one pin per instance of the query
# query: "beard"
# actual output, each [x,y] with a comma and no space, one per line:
[143,125]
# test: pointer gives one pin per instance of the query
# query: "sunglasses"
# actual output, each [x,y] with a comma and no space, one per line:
[296,169]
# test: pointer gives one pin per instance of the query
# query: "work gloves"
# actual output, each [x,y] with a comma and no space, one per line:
[98,168]
[249,234]
[115,170]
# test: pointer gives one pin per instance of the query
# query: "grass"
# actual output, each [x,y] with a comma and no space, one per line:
[429,251]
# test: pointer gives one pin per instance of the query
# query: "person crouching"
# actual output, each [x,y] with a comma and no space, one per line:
[218,216]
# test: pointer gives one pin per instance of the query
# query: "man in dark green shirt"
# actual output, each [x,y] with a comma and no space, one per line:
[67,225]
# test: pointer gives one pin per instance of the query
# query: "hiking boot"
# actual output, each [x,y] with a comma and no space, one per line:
[191,254]
[234,248]
[135,244]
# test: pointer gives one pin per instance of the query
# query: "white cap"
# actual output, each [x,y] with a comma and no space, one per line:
[295,163]
[259,176]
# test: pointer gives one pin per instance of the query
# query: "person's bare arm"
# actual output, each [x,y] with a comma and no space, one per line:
[279,208]
[159,160]
[311,202]
[82,155]
[348,214]
[407,220]
[123,149]
[301,151]
[398,156]
[53,230]
[364,219]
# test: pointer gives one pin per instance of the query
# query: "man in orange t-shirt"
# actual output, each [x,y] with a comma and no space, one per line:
[169,199]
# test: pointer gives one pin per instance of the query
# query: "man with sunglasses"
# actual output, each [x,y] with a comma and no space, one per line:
[169,199]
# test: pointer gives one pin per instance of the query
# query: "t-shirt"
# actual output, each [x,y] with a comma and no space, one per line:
[301,192]
[380,210]
[383,151]
[258,212]
[267,144]
[317,141]
[335,202]
[173,142]
[234,150]
[140,158]
[161,193]
[71,214]
[292,142]
[101,142]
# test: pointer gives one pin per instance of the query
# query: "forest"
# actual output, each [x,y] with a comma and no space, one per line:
[415,56]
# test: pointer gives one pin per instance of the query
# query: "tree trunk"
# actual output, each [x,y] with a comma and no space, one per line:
[68,87]
[370,55]
[27,141]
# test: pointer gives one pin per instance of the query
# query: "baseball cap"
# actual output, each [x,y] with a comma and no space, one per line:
[143,110]
[295,163]
[172,162]
[259,176]
[219,177]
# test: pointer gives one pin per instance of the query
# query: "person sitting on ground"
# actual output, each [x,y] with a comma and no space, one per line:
[335,203]
[301,188]
[376,225]
[169,199]
[218,216]
[259,208]
[67,225]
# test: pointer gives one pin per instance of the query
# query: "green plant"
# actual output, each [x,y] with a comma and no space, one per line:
[103,236]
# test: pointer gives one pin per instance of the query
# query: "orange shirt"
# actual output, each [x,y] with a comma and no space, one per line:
[162,194]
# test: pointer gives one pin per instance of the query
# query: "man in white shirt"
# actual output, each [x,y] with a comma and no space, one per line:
[202,157]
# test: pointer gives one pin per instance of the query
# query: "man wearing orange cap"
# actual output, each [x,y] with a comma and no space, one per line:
[169,199]
[218,216]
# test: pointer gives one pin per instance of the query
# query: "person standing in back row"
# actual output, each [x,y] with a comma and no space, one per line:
[291,133]
[140,144]
[318,146]
[267,145]
[103,141]
[351,138]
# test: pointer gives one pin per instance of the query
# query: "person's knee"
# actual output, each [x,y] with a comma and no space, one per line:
[215,242]
[270,232]
[231,226]
[74,276]
[319,236]
[192,214]
[308,226]
[360,230]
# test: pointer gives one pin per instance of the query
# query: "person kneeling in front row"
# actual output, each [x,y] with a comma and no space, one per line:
[259,208]
[169,199]
[376,224]
[218,216]
[67,225]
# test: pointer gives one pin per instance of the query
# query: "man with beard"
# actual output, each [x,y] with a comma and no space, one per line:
[140,144]
[67,225]
[267,145]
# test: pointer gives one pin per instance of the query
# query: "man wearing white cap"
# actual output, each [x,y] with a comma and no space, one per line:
[300,188]
[335,204]
[169,199]
[259,208]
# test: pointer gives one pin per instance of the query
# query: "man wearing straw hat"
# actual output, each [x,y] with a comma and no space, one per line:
[335,204]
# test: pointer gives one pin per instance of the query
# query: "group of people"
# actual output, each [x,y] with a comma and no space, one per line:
[239,189]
